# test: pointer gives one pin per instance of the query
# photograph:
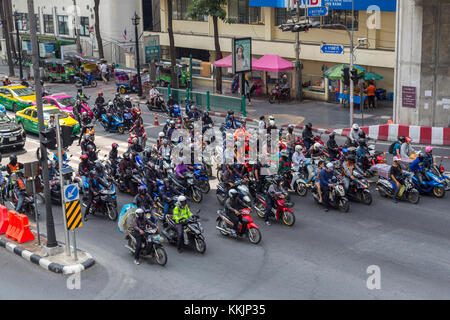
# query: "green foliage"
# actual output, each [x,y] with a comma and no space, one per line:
[213,8]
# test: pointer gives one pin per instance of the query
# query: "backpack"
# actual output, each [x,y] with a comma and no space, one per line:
[392,146]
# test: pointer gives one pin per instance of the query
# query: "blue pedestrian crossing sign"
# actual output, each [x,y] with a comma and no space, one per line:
[71,193]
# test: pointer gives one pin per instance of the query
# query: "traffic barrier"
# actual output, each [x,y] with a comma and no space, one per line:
[4,219]
[24,233]
[156,122]
[12,227]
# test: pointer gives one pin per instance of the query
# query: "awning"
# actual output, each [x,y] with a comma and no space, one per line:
[227,62]
[272,63]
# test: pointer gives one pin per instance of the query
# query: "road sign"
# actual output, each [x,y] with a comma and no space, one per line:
[332,48]
[317,12]
[73,215]
[152,49]
[71,193]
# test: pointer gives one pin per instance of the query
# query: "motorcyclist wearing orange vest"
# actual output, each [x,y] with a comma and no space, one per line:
[21,190]
[12,167]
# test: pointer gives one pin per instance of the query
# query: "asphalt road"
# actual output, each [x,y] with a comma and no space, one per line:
[323,256]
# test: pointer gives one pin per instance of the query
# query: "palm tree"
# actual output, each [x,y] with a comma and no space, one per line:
[213,8]
[97,29]
[173,74]
[7,38]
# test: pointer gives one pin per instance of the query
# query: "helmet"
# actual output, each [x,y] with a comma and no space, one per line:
[363,142]
[408,139]
[182,201]
[272,122]
[165,141]
[84,157]
[84,114]
[168,121]
[161,135]
[332,135]
[110,103]
[396,159]
[140,213]
[284,153]
[298,148]
[114,145]
[230,112]
[172,122]
[127,97]
[317,146]
[362,134]
[117,94]
[90,147]
[93,173]
[345,150]
[166,182]
[355,127]
[421,156]
[49,162]
[142,189]
[232,193]
[13,159]
[134,141]
[100,93]
[428,149]
[351,157]
[207,113]
[126,155]
[277,179]
[86,137]
[309,125]
[330,166]
[401,139]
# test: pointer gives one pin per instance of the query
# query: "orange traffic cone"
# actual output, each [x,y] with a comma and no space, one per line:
[156,122]
[389,121]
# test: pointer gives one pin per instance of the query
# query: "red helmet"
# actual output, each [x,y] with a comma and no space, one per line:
[115,145]
[84,157]
[100,93]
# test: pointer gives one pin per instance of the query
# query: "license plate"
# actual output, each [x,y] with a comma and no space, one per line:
[11,139]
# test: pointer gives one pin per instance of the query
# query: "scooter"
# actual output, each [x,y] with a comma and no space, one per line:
[151,246]
[431,185]
[104,204]
[116,126]
[387,188]
[201,178]
[337,197]
[160,106]
[225,226]
[191,190]
[439,172]
[88,82]
[280,210]
[358,189]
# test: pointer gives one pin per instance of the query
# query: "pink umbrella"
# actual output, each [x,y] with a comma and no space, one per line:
[272,63]
[227,62]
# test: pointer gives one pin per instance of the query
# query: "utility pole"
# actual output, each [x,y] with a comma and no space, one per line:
[298,63]
[77,27]
[7,38]
[51,235]
[136,19]
[351,65]
[19,47]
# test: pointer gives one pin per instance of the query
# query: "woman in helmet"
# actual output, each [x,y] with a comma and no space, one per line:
[429,161]
[181,213]
[307,136]
[332,147]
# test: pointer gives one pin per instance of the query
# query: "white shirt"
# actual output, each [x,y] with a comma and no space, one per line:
[165,151]
[298,159]
[103,68]
[153,93]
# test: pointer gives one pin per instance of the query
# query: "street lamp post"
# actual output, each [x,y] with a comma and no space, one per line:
[16,16]
[136,19]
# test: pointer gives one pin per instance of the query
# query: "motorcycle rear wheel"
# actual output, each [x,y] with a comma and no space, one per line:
[205,187]
[254,235]
[439,192]
[367,198]
[222,225]
[121,130]
[288,218]
[160,256]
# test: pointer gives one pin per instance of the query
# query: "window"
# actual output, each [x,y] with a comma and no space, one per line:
[38,24]
[341,17]
[241,11]
[63,28]
[48,24]
[180,8]
[84,26]
[283,15]
[22,21]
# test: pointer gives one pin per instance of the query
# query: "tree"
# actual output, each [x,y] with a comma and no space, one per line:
[7,38]
[173,74]
[11,26]
[214,9]
[97,29]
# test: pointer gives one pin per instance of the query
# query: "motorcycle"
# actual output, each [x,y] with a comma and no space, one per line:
[280,210]
[439,173]
[151,246]
[89,81]
[104,204]
[304,180]
[337,197]
[192,232]
[190,189]
[27,205]
[160,106]
[358,189]
[128,122]
[225,226]
[431,185]
[279,94]
[116,126]
[201,178]
[387,188]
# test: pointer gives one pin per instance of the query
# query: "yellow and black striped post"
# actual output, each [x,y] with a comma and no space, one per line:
[73,214]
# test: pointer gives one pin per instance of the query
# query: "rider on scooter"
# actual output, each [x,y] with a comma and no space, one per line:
[95,185]
[326,183]
[275,189]
[417,168]
[232,206]
[396,176]
[167,193]
[181,214]
[332,147]
[140,223]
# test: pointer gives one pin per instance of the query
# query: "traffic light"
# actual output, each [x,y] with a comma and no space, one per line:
[286,27]
[354,76]
[346,76]
[67,136]
[49,138]
[296,27]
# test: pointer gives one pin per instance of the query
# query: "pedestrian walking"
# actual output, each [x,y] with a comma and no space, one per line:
[104,70]
[371,94]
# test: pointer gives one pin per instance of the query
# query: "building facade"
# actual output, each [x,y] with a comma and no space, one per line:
[422,84]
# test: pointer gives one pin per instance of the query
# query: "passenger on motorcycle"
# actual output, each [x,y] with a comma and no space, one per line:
[127,103]
[271,126]
[84,167]
[307,136]
[354,134]
[315,152]
[126,166]
[417,168]
[396,176]
[362,153]
[143,200]
[348,167]
[95,185]
[140,223]
[326,183]
[113,158]
[154,93]
[275,189]
[181,214]
[429,161]
[84,122]
[167,193]
[232,206]
[332,147]
[21,189]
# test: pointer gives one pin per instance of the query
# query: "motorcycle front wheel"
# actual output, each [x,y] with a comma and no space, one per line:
[160,256]
[272,99]
[204,187]
[300,189]
[200,245]
[343,205]
[254,235]
[288,218]
[196,195]
[112,213]
[414,196]
[260,210]
[438,192]
[367,198]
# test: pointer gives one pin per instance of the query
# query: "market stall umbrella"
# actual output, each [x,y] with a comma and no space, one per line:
[272,63]
[336,72]
[372,76]
[227,62]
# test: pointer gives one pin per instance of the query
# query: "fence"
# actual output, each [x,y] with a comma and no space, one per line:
[210,101]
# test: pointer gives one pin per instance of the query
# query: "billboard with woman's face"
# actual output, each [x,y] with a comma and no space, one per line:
[242,55]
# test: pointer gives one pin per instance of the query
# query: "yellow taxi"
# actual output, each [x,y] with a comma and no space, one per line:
[17,97]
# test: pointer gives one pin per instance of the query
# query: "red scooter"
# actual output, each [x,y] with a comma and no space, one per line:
[281,210]
[225,226]
[279,93]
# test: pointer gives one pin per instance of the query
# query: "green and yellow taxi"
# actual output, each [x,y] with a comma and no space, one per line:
[17,97]
[28,119]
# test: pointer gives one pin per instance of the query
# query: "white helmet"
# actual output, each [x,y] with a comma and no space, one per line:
[355,127]
[271,122]
[110,103]
[181,198]
[317,145]
[127,97]
[140,213]
[161,134]
[330,166]
[298,148]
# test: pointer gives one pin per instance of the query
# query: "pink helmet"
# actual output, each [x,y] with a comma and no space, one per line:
[428,149]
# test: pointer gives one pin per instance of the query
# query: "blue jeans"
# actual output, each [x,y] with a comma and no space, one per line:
[269,208]
[166,209]
[307,144]
[21,196]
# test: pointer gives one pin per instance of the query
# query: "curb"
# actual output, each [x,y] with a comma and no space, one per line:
[45,263]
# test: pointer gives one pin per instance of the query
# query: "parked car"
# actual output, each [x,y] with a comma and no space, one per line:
[28,119]
[66,103]
[17,97]
[11,135]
